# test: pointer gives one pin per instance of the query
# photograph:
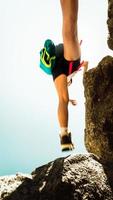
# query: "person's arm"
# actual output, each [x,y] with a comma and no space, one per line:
[85,65]
[69,82]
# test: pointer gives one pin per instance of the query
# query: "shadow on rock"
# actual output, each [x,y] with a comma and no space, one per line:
[72,178]
[108,169]
[43,185]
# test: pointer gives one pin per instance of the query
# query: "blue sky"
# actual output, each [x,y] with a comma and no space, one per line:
[29,130]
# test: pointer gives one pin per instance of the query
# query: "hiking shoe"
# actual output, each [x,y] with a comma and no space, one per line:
[66,143]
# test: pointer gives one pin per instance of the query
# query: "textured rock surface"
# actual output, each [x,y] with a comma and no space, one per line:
[79,177]
[8,184]
[98,83]
[110,23]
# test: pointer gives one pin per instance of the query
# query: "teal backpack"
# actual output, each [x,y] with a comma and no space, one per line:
[47,57]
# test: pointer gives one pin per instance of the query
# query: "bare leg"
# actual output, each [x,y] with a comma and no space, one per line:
[62,90]
[69,29]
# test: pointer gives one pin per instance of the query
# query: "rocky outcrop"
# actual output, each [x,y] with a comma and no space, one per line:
[110,23]
[79,177]
[8,184]
[98,84]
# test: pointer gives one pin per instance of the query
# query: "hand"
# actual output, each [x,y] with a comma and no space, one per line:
[73,102]
[85,64]
[69,82]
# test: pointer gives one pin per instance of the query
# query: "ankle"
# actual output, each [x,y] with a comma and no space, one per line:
[63,131]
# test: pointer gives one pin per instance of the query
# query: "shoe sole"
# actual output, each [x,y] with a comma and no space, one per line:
[67,147]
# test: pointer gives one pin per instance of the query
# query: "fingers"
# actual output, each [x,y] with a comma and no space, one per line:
[73,102]
[69,82]
[85,66]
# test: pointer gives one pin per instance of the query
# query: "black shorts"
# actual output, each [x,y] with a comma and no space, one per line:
[62,66]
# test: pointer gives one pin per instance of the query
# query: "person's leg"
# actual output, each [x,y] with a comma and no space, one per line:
[62,91]
[69,29]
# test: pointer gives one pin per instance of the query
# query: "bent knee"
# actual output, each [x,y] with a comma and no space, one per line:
[64,100]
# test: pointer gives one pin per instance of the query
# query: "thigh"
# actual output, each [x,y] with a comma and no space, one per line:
[60,68]
[61,87]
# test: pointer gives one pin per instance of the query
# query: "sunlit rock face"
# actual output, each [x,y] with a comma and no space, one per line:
[110,24]
[79,177]
[98,89]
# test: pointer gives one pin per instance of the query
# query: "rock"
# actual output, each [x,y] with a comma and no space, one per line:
[98,83]
[79,177]
[110,24]
[9,184]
